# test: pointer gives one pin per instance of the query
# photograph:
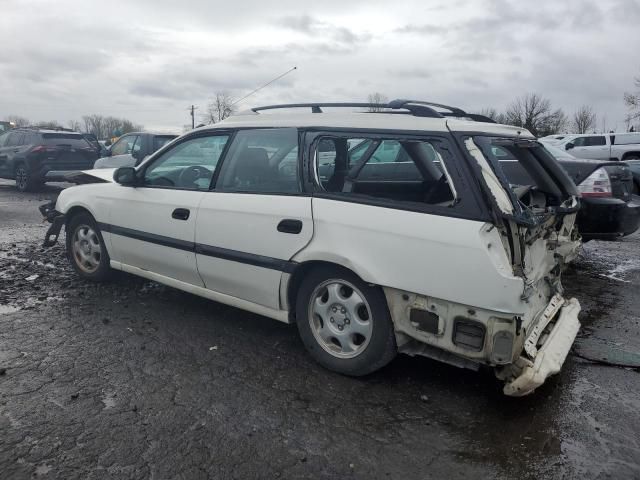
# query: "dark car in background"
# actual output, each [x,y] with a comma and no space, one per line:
[33,156]
[634,166]
[131,149]
[609,208]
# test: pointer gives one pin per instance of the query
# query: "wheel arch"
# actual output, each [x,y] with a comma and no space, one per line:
[302,270]
[628,155]
[75,210]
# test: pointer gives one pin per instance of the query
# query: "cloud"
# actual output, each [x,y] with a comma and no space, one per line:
[149,59]
[313,27]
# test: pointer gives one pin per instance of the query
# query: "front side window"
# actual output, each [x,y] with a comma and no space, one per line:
[15,139]
[189,165]
[400,170]
[3,139]
[579,142]
[124,145]
[262,161]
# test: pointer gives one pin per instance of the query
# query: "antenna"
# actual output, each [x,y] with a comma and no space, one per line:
[265,85]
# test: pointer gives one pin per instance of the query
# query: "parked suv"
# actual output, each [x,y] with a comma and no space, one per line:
[376,233]
[33,156]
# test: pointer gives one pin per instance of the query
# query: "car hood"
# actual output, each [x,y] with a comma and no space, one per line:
[99,175]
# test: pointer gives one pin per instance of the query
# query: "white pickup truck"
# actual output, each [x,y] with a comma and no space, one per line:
[609,146]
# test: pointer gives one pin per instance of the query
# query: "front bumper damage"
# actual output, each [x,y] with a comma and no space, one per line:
[57,220]
[545,349]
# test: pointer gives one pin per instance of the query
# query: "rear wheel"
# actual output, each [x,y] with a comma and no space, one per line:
[86,249]
[24,180]
[344,322]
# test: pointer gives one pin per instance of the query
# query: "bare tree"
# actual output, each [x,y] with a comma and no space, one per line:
[377,100]
[494,115]
[534,113]
[584,119]
[49,124]
[220,107]
[18,121]
[107,127]
[632,100]
[74,125]
[94,124]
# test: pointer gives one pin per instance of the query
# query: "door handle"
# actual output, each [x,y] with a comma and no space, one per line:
[180,214]
[289,225]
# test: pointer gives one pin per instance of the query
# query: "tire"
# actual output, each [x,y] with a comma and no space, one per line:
[86,249]
[24,180]
[633,157]
[349,329]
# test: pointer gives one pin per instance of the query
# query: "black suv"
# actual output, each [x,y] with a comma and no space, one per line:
[33,156]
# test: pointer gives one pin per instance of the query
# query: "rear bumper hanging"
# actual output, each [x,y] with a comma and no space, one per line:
[548,359]
[57,219]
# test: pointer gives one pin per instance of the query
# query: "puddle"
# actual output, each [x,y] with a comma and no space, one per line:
[8,309]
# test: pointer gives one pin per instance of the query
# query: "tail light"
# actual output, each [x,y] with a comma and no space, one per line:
[597,184]
[42,148]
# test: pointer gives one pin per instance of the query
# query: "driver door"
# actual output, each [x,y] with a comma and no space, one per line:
[152,226]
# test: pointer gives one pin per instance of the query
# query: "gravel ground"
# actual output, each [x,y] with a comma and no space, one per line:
[131,379]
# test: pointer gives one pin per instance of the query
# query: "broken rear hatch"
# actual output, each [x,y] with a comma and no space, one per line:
[536,222]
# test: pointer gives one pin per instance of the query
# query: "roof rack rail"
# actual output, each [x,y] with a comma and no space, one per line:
[40,127]
[417,108]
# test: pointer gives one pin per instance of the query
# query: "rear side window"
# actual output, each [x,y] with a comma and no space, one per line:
[399,170]
[65,139]
[262,161]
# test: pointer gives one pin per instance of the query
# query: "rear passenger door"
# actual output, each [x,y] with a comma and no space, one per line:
[255,219]
[593,146]
[401,214]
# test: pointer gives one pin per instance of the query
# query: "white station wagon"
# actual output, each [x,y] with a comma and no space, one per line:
[376,233]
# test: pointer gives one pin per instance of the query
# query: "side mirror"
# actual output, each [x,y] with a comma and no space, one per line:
[125,176]
[569,146]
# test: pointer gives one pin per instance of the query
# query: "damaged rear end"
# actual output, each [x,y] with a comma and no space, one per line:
[536,225]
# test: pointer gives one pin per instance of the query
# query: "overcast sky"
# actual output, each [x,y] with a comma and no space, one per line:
[149,60]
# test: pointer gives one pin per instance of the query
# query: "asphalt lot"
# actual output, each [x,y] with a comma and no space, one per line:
[135,380]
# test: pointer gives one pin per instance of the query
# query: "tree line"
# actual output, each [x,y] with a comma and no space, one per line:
[103,127]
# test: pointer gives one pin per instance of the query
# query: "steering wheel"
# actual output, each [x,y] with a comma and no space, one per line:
[190,175]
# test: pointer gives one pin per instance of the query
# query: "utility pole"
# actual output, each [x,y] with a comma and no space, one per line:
[193,109]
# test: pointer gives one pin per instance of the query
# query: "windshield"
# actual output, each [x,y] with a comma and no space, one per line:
[558,153]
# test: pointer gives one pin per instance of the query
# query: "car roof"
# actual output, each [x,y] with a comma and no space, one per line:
[45,130]
[363,120]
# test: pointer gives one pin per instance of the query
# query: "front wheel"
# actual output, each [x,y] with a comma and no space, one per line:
[86,249]
[344,323]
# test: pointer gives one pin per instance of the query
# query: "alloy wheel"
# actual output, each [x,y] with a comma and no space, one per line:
[87,248]
[340,318]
